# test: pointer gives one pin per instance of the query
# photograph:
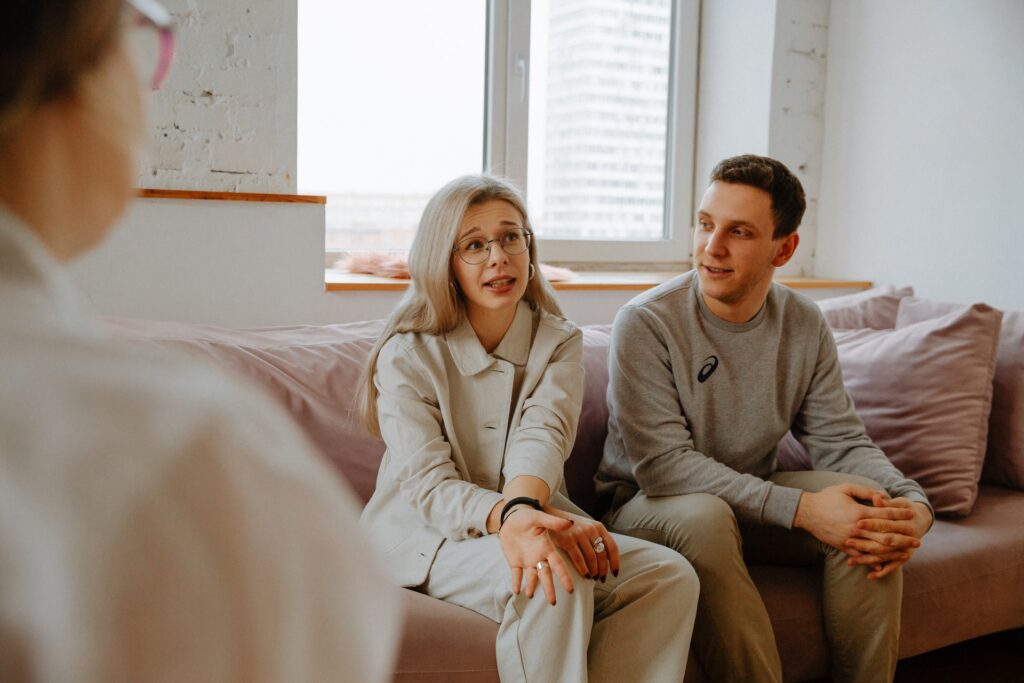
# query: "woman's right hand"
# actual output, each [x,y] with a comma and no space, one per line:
[589,545]
[525,543]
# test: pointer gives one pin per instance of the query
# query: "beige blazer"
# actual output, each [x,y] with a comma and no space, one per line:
[459,422]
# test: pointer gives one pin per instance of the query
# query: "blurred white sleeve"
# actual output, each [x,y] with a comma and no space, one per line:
[244,561]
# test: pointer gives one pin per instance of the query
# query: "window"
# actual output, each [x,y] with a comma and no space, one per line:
[588,105]
[390,107]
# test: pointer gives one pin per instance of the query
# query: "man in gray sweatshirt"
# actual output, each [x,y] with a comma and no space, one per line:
[707,373]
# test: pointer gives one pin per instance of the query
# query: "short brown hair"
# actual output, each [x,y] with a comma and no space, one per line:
[45,46]
[788,201]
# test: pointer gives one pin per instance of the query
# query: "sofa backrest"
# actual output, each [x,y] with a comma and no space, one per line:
[314,373]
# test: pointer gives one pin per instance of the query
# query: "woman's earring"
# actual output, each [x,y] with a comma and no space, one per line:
[533,271]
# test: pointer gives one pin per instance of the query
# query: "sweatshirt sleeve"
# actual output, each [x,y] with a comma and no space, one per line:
[833,434]
[646,409]
[420,457]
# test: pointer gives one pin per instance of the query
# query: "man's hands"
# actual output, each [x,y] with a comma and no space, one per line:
[525,541]
[886,545]
[882,535]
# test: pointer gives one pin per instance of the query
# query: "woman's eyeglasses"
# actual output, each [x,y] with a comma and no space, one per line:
[475,250]
[150,40]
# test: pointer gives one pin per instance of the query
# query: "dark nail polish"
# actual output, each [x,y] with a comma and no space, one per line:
[615,573]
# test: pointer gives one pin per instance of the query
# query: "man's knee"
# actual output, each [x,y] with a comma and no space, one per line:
[700,526]
[817,480]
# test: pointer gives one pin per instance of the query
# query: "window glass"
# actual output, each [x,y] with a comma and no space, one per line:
[390,107]
[599,101]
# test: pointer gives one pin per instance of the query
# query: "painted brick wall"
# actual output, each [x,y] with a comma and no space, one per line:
[225,119]
[797,113]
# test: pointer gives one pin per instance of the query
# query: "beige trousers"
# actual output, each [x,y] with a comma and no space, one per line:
[733,639]
[634,627]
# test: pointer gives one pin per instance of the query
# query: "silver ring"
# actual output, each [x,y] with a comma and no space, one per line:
[598,544]
[540,566]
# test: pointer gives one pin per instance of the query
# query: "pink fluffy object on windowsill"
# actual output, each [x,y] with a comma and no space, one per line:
[385,264]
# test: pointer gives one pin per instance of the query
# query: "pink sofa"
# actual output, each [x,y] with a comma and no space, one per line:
[966,581]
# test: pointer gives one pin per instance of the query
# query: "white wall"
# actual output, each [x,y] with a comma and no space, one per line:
[225,119]
[737,42]
[922,179]
[797,113]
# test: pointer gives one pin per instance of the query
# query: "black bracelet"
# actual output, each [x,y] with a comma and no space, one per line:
[521,500]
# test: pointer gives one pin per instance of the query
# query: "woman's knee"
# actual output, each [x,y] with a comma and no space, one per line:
[661,566]
[683,578]
[577,606]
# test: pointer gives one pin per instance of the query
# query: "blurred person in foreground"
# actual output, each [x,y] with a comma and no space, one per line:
[157,520]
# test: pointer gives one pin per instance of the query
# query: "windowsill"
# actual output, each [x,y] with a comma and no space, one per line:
[338,281]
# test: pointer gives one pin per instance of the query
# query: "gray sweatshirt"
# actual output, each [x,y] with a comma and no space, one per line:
[698,404]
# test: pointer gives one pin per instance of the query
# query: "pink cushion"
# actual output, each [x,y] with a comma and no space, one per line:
[1004,461]
[875,309]
[924,392]
[313,371]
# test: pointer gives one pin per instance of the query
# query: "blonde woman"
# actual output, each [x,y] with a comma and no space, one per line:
[475,387]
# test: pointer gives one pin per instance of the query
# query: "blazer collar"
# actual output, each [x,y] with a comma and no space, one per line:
[471,357]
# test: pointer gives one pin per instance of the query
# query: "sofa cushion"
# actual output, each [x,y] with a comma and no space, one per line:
[444,642]
[965,580]
[593,425]
[1004,461]
[312,370]
[924,393]
[875,309]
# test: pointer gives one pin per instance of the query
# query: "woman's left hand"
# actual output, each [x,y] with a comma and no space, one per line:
[588,543]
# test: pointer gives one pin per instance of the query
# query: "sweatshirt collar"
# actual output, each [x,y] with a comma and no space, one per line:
[725,324]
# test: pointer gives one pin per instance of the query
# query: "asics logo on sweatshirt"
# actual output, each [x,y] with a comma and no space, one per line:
[708,369]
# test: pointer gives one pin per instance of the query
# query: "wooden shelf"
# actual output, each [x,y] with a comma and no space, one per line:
[338,281]
[231,196]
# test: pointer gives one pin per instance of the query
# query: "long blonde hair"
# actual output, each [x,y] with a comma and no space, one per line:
[433,303]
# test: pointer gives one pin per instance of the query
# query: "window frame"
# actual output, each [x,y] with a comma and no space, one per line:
[506,131]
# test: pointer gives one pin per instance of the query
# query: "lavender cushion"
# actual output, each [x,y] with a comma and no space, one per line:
[1004,461]
[924,392]
[313,371]
[875,309]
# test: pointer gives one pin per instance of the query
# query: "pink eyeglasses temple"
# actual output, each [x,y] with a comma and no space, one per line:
[166,55]
[155,15]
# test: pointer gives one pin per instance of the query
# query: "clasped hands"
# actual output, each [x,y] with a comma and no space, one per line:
[529,537]
[881,532]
